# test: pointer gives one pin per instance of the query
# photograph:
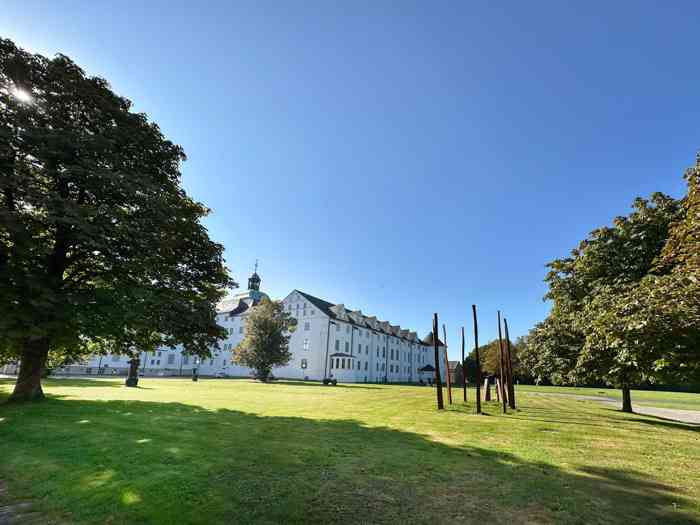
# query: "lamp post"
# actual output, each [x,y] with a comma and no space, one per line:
[195,371]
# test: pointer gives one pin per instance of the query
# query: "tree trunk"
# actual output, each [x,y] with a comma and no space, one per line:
[33,361]
[626,399]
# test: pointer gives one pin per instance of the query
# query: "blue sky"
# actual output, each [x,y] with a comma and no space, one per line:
[403,158]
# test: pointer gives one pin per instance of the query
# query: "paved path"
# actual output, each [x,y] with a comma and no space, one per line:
[674,414]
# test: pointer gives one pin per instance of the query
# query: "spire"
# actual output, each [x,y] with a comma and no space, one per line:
[254,280]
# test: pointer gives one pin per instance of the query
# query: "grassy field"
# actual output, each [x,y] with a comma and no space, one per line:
[679,400]
[236,451]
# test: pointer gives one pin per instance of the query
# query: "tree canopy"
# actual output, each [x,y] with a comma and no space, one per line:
[626,303]
[98,240]
[266,341]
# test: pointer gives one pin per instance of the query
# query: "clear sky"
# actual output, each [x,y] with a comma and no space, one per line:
[402,158]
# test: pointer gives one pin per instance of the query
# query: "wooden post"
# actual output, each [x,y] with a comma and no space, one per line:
[448,379]
[487,390]
[478,363]
[438,382]
[501,366]
[464,371]
[509,364]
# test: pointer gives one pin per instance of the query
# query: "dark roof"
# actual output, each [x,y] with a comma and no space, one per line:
[340,354]
[326,308]
[427,368]
[242,307]
[428,340]
[322,305]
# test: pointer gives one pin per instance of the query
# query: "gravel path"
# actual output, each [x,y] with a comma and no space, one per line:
[674,414]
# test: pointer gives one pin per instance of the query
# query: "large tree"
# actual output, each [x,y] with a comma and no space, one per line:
[266,341]
[97,238]
[626,304]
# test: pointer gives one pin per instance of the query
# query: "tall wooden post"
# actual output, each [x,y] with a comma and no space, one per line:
[509,363]
[478,362]
[438,382]
[501,364]
[448,379]
[464,371]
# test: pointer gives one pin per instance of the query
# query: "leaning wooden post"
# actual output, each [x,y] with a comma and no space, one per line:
[464,372]
[478,362]
[448,379]
[511,386]
[500,347]
[438,382]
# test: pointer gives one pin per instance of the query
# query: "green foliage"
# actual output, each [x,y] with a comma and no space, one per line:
[627,301]
[489,356]
[98,241]
[266,341]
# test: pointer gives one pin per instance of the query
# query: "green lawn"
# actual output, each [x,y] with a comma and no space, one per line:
[679,400]
[236,451]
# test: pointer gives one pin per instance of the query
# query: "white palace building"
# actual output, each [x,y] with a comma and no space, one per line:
[330,341]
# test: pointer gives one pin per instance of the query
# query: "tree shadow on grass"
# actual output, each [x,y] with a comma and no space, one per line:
[599,419]
[147,462]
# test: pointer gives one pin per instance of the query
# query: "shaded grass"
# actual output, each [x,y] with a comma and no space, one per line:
[236,451]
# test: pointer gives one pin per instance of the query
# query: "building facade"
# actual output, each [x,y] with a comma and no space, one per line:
[330,341]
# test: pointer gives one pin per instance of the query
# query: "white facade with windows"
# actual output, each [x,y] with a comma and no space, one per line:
[330,341]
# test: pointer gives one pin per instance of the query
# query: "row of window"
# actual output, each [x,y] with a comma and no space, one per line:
[298,308]
[341,363]
[406,356]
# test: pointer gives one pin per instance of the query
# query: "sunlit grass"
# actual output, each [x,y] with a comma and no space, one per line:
[236,451]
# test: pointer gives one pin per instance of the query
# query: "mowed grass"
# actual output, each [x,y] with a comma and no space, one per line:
[678,400]
[237,451]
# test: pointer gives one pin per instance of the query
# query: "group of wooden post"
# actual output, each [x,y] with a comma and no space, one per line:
[505,390]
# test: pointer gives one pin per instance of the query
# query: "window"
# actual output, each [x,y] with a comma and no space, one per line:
[337,362]
[383,352]
[307,326]
[158,354]
[342,363]
[211,362]
[367,349]
[366,363]
[359,364]
[377,367]
[377,351]
[306,344]
[153,361]
[359,348]
[347,347]
[312,312]
[158,362]
[392,354]
[171,359]
[223,362]
[304,364]
[391,368]
[337,345]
